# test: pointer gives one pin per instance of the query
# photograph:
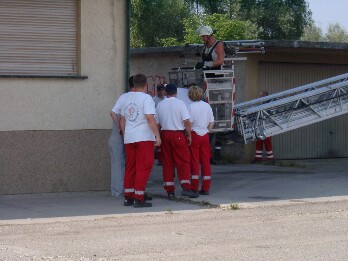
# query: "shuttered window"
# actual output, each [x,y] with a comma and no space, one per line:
[38,38]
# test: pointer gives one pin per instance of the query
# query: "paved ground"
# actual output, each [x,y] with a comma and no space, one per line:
[243,186]
[301,231]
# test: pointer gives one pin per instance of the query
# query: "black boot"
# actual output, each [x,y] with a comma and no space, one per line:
[128,202]
[147,197]
[141,204]
[171,195]
[189,193]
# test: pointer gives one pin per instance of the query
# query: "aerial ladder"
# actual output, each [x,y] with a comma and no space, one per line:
[266,116]
[292,109]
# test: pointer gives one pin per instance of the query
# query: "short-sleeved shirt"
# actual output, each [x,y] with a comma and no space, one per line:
[118,104]
[183,95]
[201,115]
[171,113]
[135,106]
[158,99]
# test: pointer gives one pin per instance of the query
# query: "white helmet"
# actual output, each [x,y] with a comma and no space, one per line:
[204,30]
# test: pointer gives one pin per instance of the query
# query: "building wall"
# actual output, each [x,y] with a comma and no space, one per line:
[48,104]
[54,132]
[155,66]
[54,161]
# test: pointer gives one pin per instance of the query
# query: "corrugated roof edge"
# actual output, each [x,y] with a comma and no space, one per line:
[150,50]
[305,44]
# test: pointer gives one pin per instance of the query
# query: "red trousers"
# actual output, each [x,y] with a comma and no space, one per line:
[139,162]
[175,154]
[200,157]
[268,147]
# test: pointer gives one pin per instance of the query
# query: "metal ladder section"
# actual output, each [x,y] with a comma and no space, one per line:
[292,109]
[219,86]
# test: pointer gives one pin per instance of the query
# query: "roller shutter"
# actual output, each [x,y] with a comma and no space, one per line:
[38,37]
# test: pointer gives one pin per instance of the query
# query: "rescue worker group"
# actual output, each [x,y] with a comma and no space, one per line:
[175,130]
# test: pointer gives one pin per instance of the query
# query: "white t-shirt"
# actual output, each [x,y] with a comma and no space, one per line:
[201,115]
[171,113]
[158,99]
[135,106]
[183,95]
[118,104]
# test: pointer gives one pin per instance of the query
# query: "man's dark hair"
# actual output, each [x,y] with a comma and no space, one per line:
[130,82]
[139,80]
[160,87]
[171,89]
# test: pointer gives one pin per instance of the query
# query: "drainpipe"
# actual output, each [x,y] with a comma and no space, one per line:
[127,39]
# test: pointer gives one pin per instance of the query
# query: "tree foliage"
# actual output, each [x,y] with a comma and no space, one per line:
[312,33]
[224,27]
[155,22]
[336,33]
[279,19]
[173,22]
[208,6]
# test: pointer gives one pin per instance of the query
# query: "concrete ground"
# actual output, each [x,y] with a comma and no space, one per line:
[239,186]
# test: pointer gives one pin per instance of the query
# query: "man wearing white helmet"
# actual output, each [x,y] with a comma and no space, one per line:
[213,52]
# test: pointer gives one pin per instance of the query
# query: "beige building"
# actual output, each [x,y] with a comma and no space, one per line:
[285,65]
[62,66]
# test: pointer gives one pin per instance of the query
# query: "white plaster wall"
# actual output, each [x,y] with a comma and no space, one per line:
[155,66]
[67,104]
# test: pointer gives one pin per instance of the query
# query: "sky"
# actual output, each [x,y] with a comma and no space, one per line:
[325,12]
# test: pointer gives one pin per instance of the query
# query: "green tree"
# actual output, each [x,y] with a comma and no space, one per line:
[173,22]
[157,22]
[207,6]
[279,19]
[312,33]
[336,33]
[224,27]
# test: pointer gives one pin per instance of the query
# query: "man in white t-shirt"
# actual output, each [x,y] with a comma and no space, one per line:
[202,120]
[140,135]
[173,117]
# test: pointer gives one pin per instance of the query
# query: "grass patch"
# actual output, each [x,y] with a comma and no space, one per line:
[169,211]
[234,206]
